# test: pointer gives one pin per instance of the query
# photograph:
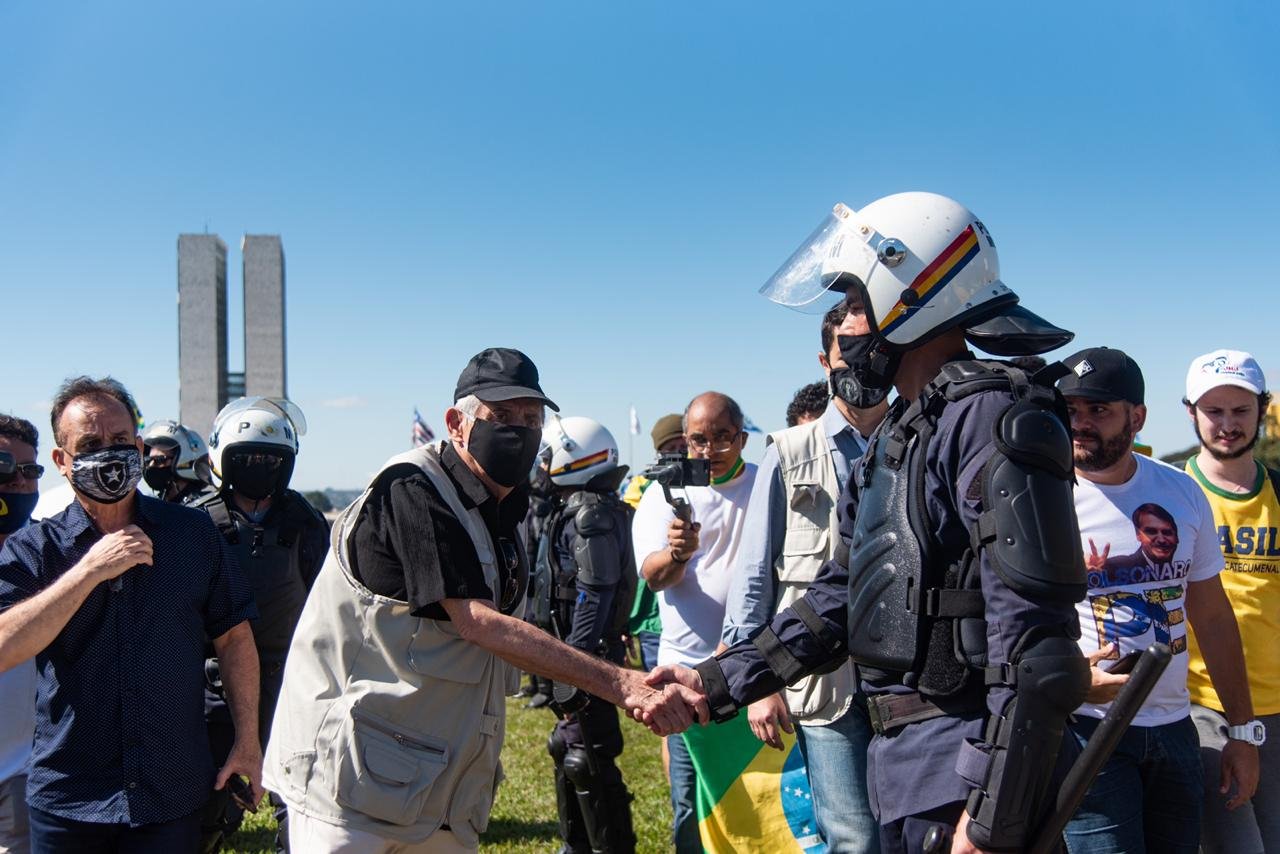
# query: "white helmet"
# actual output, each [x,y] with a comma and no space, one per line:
[262,425]
[193,455]
[581,449]
[922,264]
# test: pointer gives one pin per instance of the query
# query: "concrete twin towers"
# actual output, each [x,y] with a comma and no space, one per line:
[205,385]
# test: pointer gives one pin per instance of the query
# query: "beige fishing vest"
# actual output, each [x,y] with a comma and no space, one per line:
[386,722]
[810,490]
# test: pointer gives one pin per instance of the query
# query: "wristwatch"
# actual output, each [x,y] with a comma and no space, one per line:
[1253,732]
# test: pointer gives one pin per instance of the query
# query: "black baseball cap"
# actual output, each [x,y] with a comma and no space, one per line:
[1101,373]
[500,373]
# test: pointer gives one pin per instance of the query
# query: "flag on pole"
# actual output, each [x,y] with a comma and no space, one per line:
[422,434]
[750,426]
[635,422]
[750,797]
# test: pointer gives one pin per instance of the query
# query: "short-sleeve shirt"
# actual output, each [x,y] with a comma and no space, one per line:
[1137,595]
[1249,538]
[693,611]
[407,544]
[120,734]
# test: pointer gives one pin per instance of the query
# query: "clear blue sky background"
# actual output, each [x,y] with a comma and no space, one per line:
[607,185]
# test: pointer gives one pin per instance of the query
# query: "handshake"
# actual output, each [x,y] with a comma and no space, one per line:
[667,700]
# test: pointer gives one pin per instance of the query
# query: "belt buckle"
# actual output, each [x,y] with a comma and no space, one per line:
[873,712]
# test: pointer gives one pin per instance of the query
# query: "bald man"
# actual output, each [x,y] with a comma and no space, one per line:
[688,564]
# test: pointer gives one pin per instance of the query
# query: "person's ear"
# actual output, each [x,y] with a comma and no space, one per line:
[454,423]
[1138,418]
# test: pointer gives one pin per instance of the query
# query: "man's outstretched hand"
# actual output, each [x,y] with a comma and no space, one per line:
[664,708]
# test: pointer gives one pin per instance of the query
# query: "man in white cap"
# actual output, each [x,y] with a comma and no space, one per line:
[1227,399]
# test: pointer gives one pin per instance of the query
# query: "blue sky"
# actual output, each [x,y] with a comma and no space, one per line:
[606,186]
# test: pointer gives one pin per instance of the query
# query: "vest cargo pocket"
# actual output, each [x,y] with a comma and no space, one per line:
[385,771]
[804,551]
[436,650]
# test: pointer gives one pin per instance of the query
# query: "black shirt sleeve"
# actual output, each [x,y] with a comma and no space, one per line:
[407,545]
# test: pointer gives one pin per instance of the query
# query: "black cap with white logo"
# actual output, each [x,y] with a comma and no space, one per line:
[1101,373]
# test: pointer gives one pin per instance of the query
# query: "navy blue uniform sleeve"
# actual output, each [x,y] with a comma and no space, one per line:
[591,612]
[230,598]
[314,547]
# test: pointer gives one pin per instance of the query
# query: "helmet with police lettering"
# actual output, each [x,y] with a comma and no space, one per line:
[921,264]
[580,448]
[192,459]
[254,444]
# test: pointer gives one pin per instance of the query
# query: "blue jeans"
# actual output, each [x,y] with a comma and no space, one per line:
[835,757]
[649,649]
[1148,796]
[54,834]
[685,837]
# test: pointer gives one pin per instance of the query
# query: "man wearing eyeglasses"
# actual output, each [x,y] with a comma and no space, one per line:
[689,564]
[18,494]
[391,719]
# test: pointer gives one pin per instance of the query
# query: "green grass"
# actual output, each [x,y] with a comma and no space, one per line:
[524,816]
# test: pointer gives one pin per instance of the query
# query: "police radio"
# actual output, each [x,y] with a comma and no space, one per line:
[676,471]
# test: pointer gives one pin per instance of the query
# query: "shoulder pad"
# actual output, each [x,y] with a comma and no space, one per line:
[594,519]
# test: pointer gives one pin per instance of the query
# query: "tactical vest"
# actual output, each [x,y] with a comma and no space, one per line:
[810,491]
[564,579]
[916,618]
[270,558]
[390,723]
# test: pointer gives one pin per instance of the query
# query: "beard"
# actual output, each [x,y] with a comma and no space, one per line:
[1227,455]
[1107,453]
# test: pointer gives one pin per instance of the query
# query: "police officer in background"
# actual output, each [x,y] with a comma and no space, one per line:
[279,541]
[593,582]
[175,463]
[954,586]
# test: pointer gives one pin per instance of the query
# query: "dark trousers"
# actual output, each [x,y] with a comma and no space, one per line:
[907,835]
[595,725]
[221,816]
[54,834]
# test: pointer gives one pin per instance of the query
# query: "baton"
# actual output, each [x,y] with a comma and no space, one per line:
[1145,674]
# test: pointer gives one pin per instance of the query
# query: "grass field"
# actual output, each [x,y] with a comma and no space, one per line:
[524,817]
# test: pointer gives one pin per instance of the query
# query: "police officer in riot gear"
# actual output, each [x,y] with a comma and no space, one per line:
[953,588]
[279,541]
[175,463]
[593,581]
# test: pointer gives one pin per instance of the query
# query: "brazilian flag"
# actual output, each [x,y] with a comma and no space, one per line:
[750,796]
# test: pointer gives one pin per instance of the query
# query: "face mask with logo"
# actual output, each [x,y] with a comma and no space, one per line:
[506,453]
[108,475]
[16,509]
[869,376]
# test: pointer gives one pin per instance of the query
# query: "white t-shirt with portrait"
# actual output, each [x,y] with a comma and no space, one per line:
[692,611]
[1137,594]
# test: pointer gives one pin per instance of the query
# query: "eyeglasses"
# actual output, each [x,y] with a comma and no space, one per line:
[30,471]
[717,444]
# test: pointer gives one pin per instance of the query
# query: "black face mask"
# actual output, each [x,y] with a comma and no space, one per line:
[108,475]
[506,453]
[869,376]
[159,478]
[257,475]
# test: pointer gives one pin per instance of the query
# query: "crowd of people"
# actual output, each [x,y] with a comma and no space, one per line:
[940,593]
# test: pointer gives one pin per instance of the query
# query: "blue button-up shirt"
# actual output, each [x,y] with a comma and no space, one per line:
[753,590]
[120,733]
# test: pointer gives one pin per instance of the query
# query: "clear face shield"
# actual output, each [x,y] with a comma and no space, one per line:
[811,279]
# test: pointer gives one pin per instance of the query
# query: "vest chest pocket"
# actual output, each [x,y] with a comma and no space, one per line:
[804,551]
[385,771]
[436,650]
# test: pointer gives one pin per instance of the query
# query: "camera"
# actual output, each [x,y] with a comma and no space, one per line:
[677,471]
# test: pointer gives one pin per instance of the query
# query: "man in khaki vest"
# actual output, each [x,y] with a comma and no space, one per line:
[789,534]
[390,721]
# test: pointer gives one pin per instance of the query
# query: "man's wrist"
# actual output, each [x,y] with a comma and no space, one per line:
[675,557]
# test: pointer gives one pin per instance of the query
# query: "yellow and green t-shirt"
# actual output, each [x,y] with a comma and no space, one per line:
[1249,534]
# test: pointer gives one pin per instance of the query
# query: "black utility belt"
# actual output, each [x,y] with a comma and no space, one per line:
[892,711]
